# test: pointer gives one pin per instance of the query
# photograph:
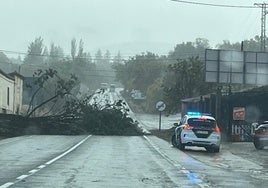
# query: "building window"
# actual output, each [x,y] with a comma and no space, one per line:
[4,111]
[8,96]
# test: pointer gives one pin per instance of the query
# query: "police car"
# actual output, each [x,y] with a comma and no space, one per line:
[196,129]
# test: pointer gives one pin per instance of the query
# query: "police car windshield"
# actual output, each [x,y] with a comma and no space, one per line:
[202,122]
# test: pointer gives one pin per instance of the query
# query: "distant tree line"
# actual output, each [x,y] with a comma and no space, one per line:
[91,71]
[171,77]
[38,53]
[39,63]
[175,76]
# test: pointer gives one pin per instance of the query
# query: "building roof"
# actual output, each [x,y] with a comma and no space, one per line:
[11,75]
[6,75]
[15,73]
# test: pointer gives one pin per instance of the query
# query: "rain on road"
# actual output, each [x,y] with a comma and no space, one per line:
[127,161]
[118,161]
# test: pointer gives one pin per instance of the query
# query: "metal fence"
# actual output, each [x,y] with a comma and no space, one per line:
[242,133]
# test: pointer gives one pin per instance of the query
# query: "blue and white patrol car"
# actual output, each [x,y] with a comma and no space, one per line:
[197,129]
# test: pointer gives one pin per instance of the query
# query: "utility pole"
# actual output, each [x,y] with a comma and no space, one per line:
[263,24]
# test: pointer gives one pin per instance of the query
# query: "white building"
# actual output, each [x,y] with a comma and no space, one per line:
[11,88]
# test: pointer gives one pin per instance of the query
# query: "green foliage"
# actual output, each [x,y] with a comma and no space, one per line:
[108,122]
[185,79]
[107,57]
[154,94]
[253,44]
[49,79]
[227,45]
[117,59]
[79,118]
[121,75]
[139,72]
[35,52]
[189,49]
[163,78]
[56,54]
[80,62]
[73,48]
[98,57]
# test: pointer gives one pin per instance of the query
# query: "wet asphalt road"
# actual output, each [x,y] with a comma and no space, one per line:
[118,161]
[240,157]
[245,150]
[121,161]
[151,121]
[21,154]
[98,162]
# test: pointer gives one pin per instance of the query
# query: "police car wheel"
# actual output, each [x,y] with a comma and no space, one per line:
[173,141]
[258,145]
[180,145]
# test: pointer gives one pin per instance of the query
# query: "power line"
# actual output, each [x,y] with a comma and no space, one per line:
[45,55]
[64,55]
[263,6]
[156,57]
[215,5]
[250,20]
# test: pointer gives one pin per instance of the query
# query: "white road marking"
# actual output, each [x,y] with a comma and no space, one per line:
[6,185]
[33,171]
[22,177]
[191,176]
[220,165]
[41,166]
[68,151]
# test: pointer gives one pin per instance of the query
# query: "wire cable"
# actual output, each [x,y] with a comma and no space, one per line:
[64,55]
[143,56]
[215,5]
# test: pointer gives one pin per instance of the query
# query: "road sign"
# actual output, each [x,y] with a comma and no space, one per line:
[160,106]
[241,67]
[239,113]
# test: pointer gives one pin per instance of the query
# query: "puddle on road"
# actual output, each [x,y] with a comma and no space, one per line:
[259,174]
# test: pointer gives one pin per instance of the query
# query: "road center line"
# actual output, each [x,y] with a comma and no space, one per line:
[33,171]
[41,166]
[68,151]
[22,177]
[6,185]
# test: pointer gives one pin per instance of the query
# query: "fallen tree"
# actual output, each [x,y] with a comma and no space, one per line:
[76,116]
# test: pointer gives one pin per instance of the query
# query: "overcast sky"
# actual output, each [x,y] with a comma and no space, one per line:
[131,26]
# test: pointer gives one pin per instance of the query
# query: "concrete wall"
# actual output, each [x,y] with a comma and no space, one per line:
[11,89]
[18,93]
[6,94]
